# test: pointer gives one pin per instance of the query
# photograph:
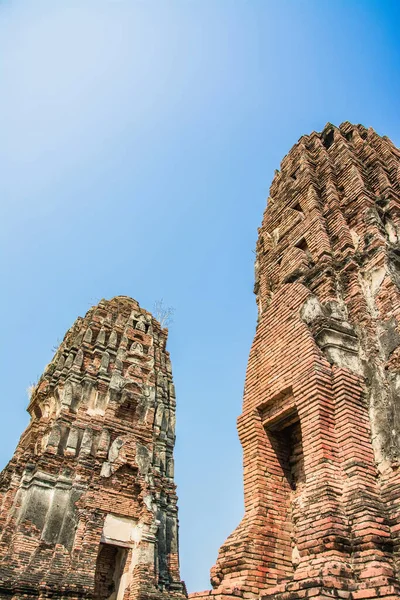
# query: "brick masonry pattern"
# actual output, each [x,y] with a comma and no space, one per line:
[320,425]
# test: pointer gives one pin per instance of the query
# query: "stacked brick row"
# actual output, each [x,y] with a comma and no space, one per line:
[320,426]
[88,505]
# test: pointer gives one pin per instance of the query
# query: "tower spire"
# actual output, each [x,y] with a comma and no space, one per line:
[88,501]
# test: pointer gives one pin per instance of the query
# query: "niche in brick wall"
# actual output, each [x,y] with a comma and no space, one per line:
[302,245]
[286,466]
[297,207]
[110,567]
[287,443]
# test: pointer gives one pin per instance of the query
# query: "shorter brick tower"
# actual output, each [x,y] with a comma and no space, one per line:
[88,501]
[320,427]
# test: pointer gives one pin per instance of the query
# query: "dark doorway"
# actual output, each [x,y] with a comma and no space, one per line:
[288,446]
[109,569]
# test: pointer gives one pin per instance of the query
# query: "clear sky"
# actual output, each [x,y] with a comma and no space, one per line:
[138,142]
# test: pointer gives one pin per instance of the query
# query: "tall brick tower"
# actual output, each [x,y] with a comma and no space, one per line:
[320,427]
[88,502]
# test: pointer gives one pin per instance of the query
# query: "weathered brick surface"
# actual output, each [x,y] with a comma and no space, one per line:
[88,501]
[320,426]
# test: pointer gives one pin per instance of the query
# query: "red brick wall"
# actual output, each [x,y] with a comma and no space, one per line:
[326,356]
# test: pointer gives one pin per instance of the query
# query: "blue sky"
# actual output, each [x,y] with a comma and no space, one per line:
[138,143]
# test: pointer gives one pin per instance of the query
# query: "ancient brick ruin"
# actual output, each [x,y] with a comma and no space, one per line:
[88,501]
[320,427]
